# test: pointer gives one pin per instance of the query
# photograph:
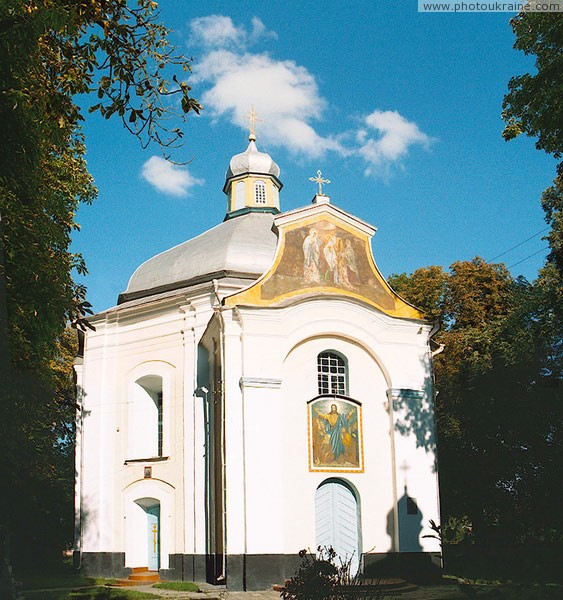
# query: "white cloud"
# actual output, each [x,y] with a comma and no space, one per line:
[219,31]
[284,94]
[167,177]
[287,100]
[395,136]
[260,32]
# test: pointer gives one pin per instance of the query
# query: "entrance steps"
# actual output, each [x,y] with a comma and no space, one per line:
[139,576]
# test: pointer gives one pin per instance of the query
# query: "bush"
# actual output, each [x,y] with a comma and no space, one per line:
[320,578]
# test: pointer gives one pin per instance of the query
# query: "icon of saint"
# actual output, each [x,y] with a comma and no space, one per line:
[336,431]
[312,255]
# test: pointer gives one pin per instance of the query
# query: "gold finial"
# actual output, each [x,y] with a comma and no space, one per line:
[319,180]
[251,116]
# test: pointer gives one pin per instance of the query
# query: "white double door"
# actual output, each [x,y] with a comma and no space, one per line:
[337,522]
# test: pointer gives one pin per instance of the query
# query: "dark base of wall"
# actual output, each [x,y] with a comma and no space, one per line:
[185,567]
[244,572]
[415,567]
[104,564]
[261,571]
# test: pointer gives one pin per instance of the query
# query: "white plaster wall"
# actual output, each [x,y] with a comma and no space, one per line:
[128,345]
[274,512]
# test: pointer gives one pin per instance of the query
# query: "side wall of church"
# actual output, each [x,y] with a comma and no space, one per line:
[140,448]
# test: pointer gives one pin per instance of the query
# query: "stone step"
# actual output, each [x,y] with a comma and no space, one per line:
[149,576]
[139,576]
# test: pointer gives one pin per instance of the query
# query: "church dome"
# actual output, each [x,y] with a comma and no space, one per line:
[243,247]
[252,161]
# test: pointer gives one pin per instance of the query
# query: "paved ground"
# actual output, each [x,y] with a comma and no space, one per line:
[441,592]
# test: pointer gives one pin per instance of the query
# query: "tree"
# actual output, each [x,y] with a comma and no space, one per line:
[534,106]
[499,411]
[552,204]
[534,103]
[51,51]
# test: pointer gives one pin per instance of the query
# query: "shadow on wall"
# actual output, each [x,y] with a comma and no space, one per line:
[415,413]
[409,524]
[408,560]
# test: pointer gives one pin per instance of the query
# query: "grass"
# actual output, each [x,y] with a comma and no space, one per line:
[33,580]
[178,586]
[61,582]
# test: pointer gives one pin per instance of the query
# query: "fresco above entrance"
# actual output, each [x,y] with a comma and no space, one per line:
[325,255]
[328,257]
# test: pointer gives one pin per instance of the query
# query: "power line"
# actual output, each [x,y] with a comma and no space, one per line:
[527,257]
[518,246]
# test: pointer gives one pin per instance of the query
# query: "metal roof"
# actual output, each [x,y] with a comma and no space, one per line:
[243,246]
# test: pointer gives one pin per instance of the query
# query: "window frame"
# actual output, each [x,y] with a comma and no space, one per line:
[336,374]
[260,191]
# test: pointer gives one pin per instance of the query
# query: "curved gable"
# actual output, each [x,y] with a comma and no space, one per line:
[323,250]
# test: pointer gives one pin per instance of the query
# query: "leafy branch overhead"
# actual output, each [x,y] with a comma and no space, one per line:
[534,103]
[534,106]
[119,51]
[51,53]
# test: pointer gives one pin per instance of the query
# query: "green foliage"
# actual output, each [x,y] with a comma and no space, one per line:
[50,51]
[37,424]
[498,409]
[552,204]
[455,530]
[425,289]
[534,103]
[534,106]
[316,578]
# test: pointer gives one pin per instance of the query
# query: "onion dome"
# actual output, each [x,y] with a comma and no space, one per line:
[252,182]
[252,161]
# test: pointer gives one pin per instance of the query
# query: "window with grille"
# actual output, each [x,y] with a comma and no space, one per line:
[260,192]
[332,374]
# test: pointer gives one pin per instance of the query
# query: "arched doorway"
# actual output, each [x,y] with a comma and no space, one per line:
[337,520]
[143,524]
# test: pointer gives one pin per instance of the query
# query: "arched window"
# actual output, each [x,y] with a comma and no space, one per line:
[260,192]
[332,374]
[145,418]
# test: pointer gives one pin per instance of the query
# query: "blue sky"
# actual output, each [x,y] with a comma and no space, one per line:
[400,110]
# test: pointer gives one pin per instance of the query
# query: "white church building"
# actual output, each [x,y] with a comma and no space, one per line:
[257,390]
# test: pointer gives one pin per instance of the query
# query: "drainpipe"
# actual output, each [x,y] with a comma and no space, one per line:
[434,353]
[219,312]
[243,393]
[183,310]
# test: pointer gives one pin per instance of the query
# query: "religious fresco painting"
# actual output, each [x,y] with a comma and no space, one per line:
[324,255]
[335,436]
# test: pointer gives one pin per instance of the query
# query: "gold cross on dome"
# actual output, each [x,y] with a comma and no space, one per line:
[251,116]
[319,180]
